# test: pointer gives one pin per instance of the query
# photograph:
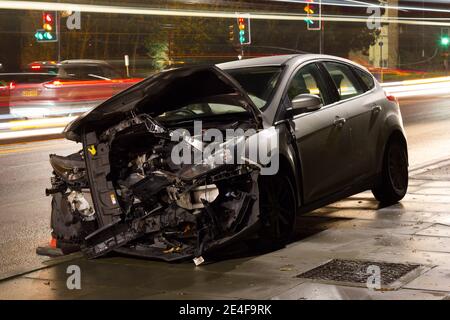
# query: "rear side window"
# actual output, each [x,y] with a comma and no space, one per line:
[345,81]
[366,78]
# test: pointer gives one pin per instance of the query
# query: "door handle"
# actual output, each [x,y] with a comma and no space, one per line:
[376,109]
[339,122]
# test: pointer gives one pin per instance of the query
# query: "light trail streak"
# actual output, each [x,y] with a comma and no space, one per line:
[29,133]
[439,86]
[36,123]
[40,6]
[360,4]
[409,88]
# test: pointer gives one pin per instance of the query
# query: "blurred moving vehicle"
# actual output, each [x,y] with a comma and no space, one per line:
[71,86]
[43,66]
[4,97]
[9,81]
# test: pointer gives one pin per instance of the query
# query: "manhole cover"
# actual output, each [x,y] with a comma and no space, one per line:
[357,271]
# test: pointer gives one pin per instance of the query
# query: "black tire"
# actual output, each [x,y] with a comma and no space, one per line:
[277,210]
[393,182]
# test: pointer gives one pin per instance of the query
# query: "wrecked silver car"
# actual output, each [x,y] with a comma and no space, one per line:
[156,178]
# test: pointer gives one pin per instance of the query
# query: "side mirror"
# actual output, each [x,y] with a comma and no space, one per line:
[305,103]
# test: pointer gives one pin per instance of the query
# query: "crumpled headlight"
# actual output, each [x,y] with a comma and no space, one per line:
[69,169]
[214,161]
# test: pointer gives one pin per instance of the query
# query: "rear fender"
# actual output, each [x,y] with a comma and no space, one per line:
[393,126]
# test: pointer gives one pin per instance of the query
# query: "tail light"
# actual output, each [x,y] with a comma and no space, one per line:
[12,85]
[390,97]
[52,84]
[36,67]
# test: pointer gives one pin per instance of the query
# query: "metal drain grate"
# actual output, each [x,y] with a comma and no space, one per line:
[356,271]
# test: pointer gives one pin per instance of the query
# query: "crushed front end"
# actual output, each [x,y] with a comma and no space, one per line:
[123,192]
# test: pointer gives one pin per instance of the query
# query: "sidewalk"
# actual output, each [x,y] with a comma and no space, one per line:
[415,234]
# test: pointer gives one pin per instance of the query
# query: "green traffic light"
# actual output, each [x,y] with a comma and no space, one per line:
[445,41]
[44,36]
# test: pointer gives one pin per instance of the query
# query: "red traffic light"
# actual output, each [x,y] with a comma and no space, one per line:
[48,17]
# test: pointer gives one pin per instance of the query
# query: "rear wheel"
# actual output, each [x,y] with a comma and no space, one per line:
[277,209]
[393,183]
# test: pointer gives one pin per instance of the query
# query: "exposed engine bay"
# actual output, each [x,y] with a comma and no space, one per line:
[123,192]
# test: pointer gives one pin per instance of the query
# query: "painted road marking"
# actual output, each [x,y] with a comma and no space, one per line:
[29,147]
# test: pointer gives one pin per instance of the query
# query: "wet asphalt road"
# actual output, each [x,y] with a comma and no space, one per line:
[25,171]
[24,209]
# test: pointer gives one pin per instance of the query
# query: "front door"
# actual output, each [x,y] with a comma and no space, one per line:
[323,138]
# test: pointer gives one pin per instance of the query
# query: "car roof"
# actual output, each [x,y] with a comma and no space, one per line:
[280,60]
[253,62]
[83,61]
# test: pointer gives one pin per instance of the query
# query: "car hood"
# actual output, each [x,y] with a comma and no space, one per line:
[163,92]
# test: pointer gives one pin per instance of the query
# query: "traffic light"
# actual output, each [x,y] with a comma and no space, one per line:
[244,30]
[49,31]
[445,37]
[231,33]
[313,9]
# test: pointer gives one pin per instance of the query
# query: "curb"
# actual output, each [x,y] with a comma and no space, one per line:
[418,169]
[48,264]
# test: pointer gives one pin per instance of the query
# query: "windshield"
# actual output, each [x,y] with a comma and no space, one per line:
[200,110]
[258,82]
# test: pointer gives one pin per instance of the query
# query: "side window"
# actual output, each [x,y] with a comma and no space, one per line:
[366,78]
[343,78]
[110,72]
[81,72]
[306,81]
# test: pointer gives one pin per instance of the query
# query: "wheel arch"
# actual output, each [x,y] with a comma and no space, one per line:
[396,134]
[289,164]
